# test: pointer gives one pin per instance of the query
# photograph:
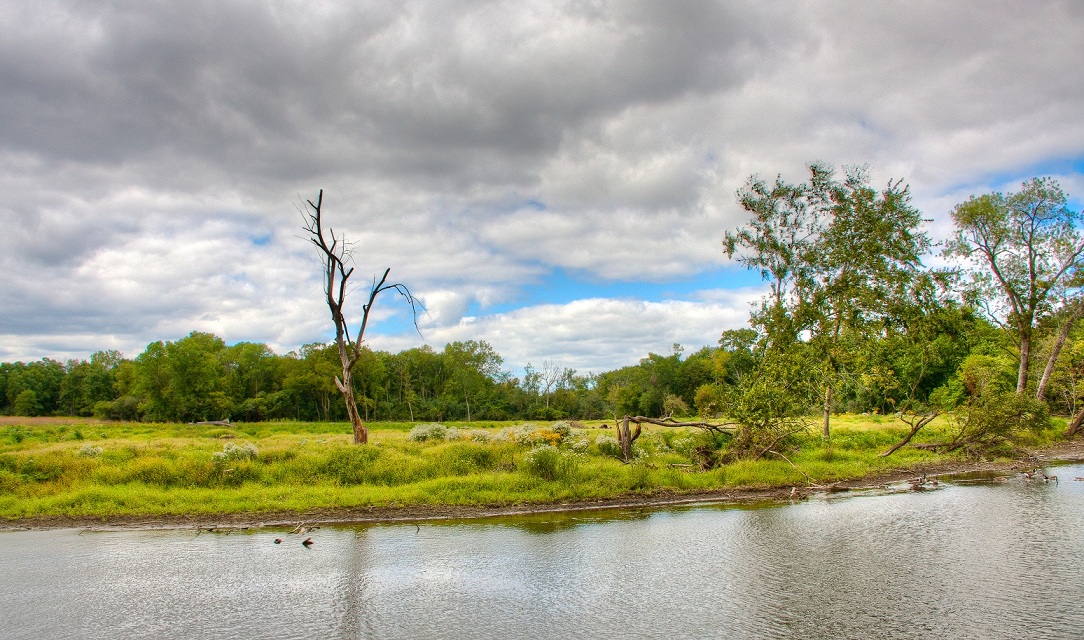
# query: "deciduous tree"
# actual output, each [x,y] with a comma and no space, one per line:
[1024,250]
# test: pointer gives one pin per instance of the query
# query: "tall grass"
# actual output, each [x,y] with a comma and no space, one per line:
[97,469]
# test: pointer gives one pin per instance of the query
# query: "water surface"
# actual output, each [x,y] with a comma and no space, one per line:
[1000,559]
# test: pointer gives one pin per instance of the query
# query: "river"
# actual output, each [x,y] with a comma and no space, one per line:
[1000,558]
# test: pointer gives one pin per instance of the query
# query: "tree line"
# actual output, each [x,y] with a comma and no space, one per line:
[200,377]
[853,321]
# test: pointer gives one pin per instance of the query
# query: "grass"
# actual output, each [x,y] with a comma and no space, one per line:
[91,469]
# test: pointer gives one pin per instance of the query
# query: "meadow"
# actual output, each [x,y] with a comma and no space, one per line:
[89,469]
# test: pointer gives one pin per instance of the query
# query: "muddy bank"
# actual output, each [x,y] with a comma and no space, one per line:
[1063,452]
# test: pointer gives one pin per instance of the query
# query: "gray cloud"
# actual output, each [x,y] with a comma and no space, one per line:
[154,154]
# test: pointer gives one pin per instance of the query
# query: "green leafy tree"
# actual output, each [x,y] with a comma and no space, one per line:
[836,254]
[1023,251]
[473,369]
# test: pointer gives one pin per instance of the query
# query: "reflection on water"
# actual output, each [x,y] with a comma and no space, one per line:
[996,560]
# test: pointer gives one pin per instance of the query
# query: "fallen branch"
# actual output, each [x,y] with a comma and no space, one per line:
[728,428]
[916,422]
[768,449]
[808,479]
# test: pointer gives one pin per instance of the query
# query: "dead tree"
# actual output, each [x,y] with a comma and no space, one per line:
[627,435]
[336,277]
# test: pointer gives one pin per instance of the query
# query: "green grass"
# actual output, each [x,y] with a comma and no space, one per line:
[84,468]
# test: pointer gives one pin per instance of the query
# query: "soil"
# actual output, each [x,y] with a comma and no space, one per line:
[1072,451]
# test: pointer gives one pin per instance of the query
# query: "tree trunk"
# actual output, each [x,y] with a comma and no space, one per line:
[827,412]
[1075,426]
[1063,336]
[625,438]
[1025,359]
[346,387]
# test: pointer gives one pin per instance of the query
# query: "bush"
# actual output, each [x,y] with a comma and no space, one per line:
[234,452]
[350,465]
[478,435]
[431,431]
[15,435]
[463,458]
[530,435]
[993,420]
[547,462]
[89,451]
[123,408]
[562,429]
[608,446]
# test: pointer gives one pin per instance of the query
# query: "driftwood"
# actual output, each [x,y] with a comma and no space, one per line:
[217,423]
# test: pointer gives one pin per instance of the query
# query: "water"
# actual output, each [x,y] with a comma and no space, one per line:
[1001,559]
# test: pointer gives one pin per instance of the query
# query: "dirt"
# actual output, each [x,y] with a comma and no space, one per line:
[1064,452]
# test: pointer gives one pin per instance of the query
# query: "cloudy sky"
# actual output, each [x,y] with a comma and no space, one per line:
[554,178]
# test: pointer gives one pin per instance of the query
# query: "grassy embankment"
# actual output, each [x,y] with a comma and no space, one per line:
[89,469]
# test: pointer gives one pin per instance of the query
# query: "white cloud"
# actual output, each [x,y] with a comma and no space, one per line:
[596,334]
[154,154]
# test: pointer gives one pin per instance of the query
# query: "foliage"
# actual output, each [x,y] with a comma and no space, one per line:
[171,469]
[234,452]
[608,445]
[424,432]
[837,255]
[549,463]
[1023,251]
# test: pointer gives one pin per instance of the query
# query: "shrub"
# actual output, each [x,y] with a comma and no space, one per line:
[562,429]
[464,458]
[608,446]
[234,452]
[89,451]
[580,445]
[547,462]
[478,435]
[350,465]
[15,434]
[431,431]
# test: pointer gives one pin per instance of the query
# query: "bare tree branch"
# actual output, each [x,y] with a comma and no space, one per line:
[337,274]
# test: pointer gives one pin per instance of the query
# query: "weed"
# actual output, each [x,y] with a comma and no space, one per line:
[90,451]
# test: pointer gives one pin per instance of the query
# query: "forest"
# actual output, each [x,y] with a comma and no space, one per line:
[853,322]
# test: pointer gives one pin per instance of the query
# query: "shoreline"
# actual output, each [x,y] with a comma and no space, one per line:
[1062,453]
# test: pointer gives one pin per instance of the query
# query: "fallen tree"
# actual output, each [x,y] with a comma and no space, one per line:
[626,435]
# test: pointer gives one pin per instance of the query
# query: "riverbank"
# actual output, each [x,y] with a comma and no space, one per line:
[1060,453]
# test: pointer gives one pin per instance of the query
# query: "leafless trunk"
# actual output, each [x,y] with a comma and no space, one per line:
[626,435]
[625,438]
[336,276]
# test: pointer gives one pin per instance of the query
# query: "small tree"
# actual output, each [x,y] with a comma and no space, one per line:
[837,255]
[336,277]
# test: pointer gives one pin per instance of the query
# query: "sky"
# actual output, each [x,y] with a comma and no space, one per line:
[554,178]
